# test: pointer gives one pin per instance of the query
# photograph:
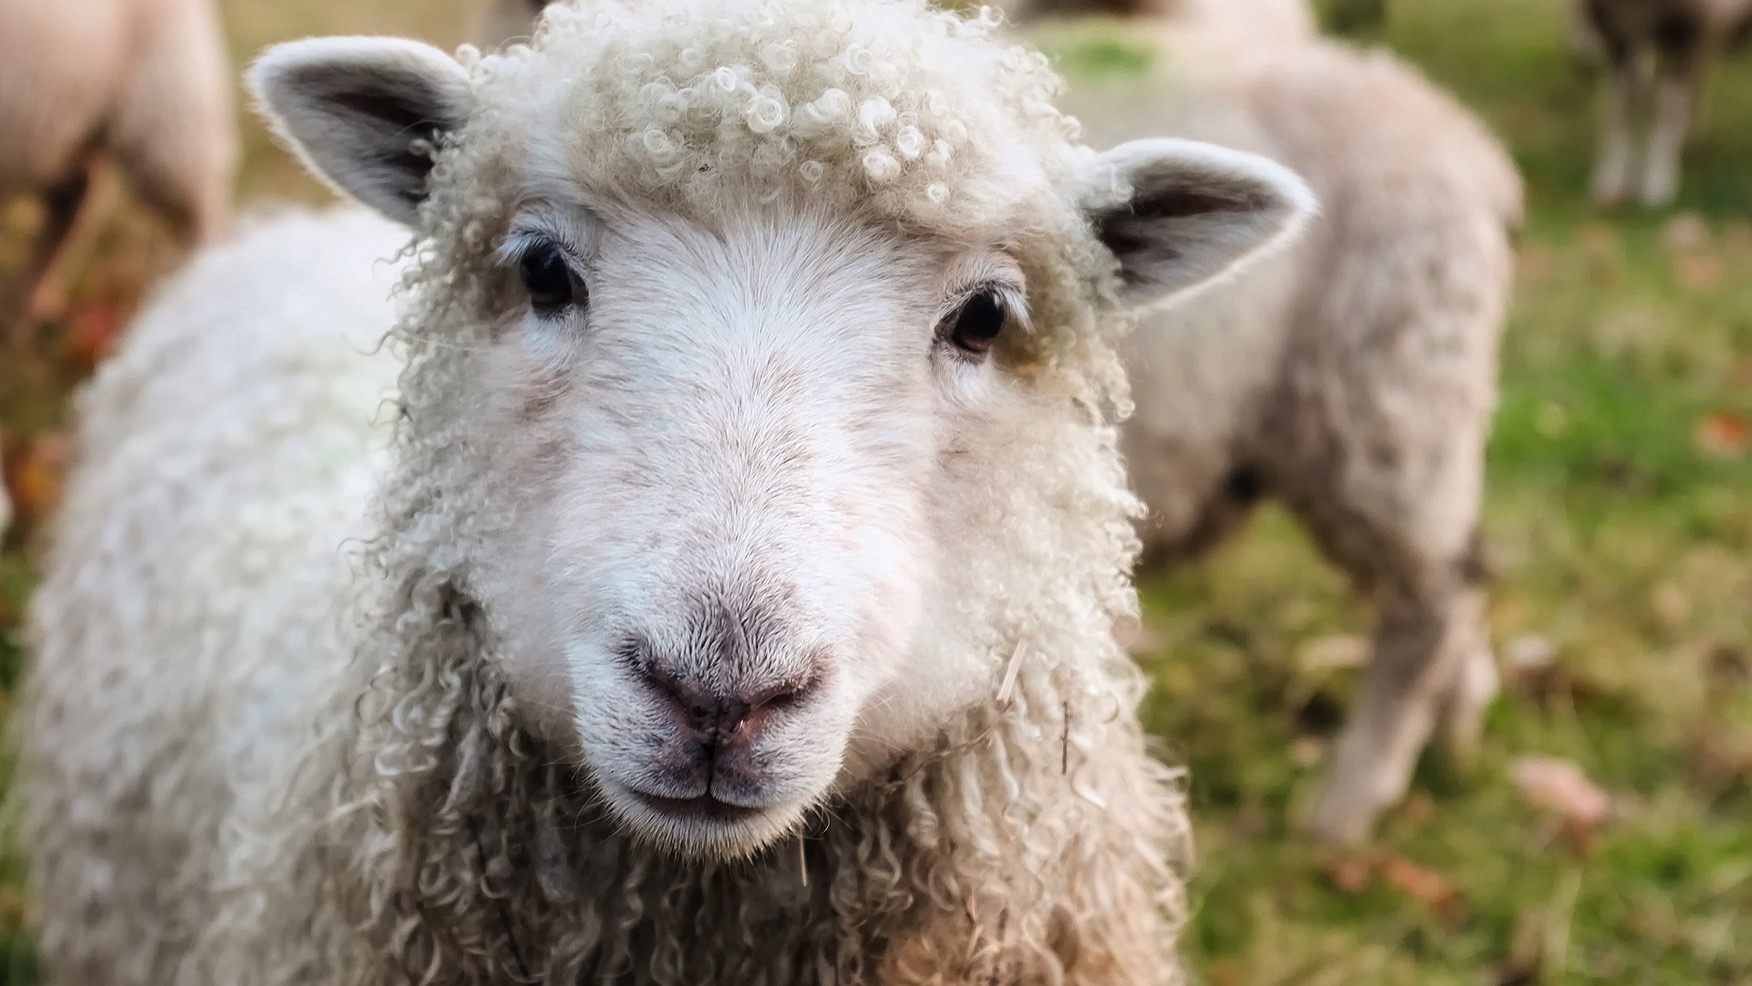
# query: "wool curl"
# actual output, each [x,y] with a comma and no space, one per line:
[420,833]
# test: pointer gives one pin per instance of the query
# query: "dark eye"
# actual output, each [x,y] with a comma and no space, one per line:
[549,279]
[977,324]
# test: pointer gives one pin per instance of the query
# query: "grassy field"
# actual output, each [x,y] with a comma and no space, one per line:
[1620,518]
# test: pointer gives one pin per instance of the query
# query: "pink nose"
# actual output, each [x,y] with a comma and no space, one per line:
[720,717]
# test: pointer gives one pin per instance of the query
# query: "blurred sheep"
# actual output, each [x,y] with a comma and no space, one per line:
[1670,43]
[500,22]
[1353,376]
[143,84]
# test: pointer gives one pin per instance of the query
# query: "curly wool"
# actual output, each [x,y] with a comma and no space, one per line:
[392,820]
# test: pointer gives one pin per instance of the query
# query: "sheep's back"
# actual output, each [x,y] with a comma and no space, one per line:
[1390,379]
[60,66]
[194,585]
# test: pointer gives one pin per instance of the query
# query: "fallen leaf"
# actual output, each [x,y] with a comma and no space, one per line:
[5,498]
[34,477]
[92,333]
[1741,373]
[1352,874]
[1561,787]
[1685,232]
[1699,271]
[1724,435]
[1423,885]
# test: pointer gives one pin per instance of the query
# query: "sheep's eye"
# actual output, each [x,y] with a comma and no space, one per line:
[549,279]
[976,325]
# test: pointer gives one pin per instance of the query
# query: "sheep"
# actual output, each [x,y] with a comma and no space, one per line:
[1352,377]
[737,529]
[144,84]
[497,22]
[1677,39]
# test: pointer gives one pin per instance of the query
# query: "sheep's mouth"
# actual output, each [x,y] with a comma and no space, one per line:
[703,808]
[704,826]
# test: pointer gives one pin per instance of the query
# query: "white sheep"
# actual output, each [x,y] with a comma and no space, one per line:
[1678,40]
[1352,377]
[143,84]
[736,603]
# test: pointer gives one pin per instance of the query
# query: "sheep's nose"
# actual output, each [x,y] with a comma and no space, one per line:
[720,715]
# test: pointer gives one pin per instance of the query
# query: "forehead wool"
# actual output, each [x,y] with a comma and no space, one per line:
[889,111]
[917,115]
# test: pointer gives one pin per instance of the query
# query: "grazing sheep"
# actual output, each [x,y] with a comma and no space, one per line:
[144,84]
[1677,40]
[736,604]
[496,22]
[1351,377]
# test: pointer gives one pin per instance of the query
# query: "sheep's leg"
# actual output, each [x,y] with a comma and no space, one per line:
[1612,164]
[1424,644]
[1675,96]
[65,207]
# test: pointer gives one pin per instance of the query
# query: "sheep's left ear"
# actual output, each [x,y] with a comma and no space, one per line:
[354,108]
[1177,213]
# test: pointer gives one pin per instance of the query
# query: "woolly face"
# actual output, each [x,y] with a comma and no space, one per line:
[736,436]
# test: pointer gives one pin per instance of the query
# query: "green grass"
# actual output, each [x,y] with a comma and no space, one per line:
[1619,541]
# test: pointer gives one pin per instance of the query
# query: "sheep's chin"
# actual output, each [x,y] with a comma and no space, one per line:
[695,834]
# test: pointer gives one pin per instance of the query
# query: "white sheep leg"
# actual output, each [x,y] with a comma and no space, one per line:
[1612,165]
[1422,645]
[1675,95]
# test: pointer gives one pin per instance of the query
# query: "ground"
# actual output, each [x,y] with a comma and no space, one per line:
[1619,519]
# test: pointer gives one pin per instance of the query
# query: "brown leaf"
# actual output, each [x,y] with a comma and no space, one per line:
[1686,232]
[1723,435]
[1699,271]
[1351,874]
[1423,885]
[33,478]
[93,332]
[1561,787]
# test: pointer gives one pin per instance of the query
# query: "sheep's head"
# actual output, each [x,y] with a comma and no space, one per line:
[756,326]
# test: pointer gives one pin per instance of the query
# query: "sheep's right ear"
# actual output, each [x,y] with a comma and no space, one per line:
[354,108]
[1179,213]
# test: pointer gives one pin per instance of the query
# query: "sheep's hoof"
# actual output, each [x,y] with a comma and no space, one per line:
[1460,725]
[1346,811]
[1659,195]
[1342,818]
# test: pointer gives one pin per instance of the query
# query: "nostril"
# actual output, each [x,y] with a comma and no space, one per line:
[711,712]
